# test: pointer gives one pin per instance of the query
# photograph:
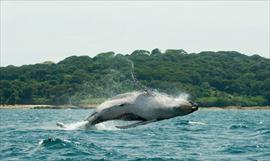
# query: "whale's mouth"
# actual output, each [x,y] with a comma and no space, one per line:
[195,106]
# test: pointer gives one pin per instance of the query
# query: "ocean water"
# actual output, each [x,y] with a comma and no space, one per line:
[202,135]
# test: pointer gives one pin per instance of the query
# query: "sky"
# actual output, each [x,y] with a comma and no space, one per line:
[34,32]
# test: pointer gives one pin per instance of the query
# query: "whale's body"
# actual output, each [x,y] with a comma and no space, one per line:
[141,106]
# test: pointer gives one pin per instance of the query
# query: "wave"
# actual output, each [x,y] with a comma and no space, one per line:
[238,127]
[51,142]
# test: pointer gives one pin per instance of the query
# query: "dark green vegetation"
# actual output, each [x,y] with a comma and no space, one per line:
[211,78]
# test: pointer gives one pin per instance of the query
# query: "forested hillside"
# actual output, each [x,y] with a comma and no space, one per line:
[211,78]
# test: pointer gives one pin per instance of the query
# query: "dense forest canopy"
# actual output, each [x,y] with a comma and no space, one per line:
[210,78]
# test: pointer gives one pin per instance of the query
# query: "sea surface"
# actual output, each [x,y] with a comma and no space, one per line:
[202,135]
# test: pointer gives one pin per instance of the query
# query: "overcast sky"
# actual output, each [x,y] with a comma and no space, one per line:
[34,32]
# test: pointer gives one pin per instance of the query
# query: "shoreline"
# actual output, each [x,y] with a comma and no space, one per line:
[237,108]
[93,106]
[90,106]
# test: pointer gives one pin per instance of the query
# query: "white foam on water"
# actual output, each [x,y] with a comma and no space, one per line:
[196,123]
[40,142]
[108,125]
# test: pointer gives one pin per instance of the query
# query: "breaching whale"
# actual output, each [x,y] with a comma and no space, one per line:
[139,106]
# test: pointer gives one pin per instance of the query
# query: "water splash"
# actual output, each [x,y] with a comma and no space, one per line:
[135,80]
[109,125]
[183,95]
[166,99]
[73,126]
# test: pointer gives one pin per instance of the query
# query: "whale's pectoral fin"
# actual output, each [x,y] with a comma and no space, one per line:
[136,124]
